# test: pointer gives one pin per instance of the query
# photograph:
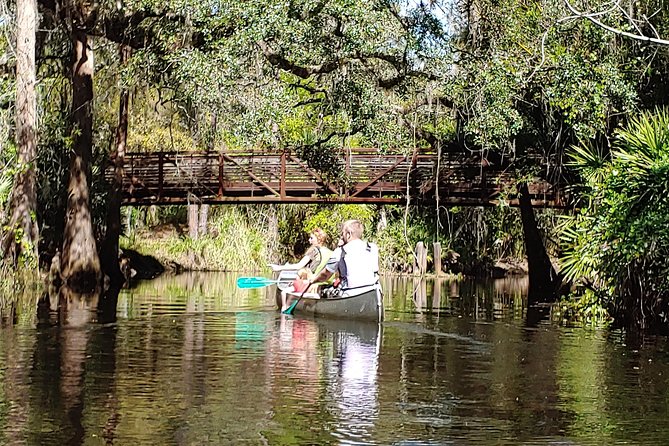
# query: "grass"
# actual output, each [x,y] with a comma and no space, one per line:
[232,244]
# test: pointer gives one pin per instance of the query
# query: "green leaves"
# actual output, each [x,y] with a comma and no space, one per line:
[330,218]
[620,240]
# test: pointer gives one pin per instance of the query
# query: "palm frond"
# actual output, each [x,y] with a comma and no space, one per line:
[589,159]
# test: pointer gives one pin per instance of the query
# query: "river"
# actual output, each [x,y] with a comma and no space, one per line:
[191,360]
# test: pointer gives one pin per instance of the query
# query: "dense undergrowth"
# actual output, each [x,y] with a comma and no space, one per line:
[616,245]
[244,238]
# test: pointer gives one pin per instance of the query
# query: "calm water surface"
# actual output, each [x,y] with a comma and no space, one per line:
[191,360]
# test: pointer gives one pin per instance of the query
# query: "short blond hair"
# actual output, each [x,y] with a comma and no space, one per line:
[353,227]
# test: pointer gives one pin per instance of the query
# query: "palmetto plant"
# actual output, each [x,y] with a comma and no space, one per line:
[619,240]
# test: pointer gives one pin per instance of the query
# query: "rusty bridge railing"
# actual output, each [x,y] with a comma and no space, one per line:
[370,176]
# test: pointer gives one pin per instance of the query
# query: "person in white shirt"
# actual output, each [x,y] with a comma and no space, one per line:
[357,262]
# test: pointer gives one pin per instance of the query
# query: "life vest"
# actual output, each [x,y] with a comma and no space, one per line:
[325,254]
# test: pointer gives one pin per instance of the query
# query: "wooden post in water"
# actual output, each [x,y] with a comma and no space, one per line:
[421,259]
[437,258]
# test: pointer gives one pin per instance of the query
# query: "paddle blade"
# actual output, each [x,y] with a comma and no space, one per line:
[254,282]
[290,309]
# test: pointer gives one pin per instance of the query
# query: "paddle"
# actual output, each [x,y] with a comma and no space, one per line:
[254,282]
[290,309]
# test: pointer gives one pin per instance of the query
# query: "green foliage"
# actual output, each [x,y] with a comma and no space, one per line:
[234,243]
[7,160]
[532,75]
[619,242]
[397,249]
[313,91]
[53,158]
[472,239]
[494,120]
[330,219]
[587,308]
[586,91]
[152,136]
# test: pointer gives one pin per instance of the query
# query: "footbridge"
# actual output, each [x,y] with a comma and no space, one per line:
[366,175]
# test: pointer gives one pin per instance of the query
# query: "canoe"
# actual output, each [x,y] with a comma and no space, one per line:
[367,306]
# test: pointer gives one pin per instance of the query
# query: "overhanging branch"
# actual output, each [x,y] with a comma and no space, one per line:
[599,23]
[301,71]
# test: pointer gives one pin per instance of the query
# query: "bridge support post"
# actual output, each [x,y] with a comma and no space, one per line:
[193,220]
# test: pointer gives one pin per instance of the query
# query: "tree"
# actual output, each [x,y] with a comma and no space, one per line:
[20,243]
[530,84]
[80,264]
[110,246]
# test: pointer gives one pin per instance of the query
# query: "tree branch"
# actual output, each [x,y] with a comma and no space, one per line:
[300,71]
[593,19]
[397,62]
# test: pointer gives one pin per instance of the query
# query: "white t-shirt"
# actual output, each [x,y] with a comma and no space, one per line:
[358,266]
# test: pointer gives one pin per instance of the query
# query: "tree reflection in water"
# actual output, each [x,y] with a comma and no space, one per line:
[62,355]
[208,364]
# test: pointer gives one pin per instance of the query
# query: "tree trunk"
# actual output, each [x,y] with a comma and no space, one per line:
[544,282]
[80,261]
[20,243]
[110,247]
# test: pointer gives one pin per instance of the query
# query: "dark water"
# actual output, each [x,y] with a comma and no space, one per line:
[190,360]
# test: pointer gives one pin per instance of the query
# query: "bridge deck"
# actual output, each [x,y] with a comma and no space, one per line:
[265,177]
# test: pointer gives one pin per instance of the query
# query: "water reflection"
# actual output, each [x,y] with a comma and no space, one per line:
[498,299]
[191,361]
[324,376]
[352,390]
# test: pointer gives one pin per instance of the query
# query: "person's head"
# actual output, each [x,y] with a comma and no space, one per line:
[351,230]
[317,237]
[303,273]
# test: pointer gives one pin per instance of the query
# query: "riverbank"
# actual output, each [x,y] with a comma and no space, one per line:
[176,252]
